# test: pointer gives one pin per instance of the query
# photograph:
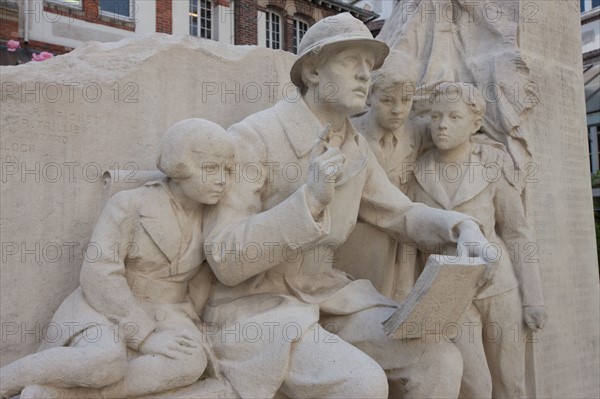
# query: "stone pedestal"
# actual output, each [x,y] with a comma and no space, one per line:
[565,359]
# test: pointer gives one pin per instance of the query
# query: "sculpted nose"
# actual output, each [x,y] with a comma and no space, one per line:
[364,72]
[363,76]
[222,178]
[443,122]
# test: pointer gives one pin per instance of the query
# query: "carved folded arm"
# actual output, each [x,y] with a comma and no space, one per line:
[267,235]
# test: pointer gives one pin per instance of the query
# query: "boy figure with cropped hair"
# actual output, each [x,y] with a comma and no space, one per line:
[139,303]
[492,348]
[393,137]
[396,141]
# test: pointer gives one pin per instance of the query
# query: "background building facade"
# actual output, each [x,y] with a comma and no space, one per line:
[58,26]
[590,41]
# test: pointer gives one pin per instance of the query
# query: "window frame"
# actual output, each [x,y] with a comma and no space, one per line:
[211,31]
[588,5]
[295,38]
[110,14]
[76,5]
[270,33]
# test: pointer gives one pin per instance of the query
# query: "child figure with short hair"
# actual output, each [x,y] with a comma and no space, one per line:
[471,179]
[394,138]
[396,141]
[137,302]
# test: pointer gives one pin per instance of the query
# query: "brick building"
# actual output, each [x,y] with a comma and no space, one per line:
[58,26]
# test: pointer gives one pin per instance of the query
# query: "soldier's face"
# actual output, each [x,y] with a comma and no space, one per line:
[344,78]
[452,124]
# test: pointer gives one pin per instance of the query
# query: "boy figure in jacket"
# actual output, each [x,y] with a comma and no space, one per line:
[471,179]
[131,328]
[396,141]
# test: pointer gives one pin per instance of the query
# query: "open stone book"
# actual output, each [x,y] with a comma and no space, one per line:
[439,298]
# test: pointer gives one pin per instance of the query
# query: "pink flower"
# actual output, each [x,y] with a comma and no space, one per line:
[12,45]
[43,56]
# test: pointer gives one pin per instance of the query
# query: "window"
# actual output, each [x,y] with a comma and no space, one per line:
[273,30]
[594,140]
[201,14]
[300,29]
[120,8]
[69,2]
[597,152]
[587,5]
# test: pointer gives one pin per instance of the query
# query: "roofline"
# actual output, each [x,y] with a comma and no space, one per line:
[339,6]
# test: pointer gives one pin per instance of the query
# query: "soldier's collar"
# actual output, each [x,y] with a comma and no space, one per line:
[302,127]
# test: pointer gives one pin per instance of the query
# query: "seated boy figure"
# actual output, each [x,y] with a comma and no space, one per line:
[395,141]
[133,319]
[470,179]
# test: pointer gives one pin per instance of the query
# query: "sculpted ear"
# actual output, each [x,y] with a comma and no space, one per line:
[477,125]
[310,73]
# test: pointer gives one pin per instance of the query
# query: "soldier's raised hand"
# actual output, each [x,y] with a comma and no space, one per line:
[326,166]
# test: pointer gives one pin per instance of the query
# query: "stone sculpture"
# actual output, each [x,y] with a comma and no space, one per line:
[37,209]
[460,40]
[396,141]
[275,234]
[131,328]
[471,177]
